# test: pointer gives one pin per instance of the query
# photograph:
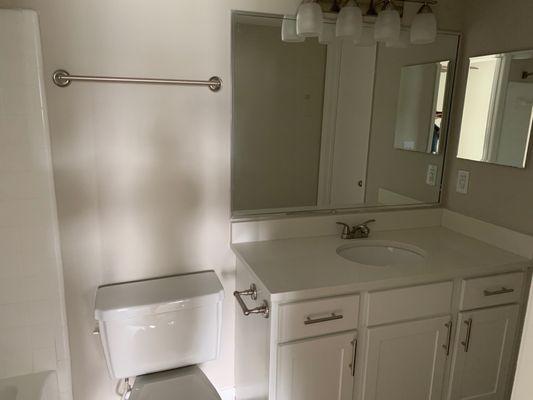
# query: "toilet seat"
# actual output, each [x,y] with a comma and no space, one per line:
[187,383]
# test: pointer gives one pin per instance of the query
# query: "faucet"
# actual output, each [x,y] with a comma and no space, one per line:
[360,231]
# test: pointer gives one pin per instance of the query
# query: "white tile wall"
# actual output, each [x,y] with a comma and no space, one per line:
[33,333]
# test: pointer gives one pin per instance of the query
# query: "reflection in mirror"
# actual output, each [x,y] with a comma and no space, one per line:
[305,136]
[420,107]
[498,109]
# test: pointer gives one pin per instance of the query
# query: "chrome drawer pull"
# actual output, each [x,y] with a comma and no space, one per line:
[333,317]
[447,346]
[503,290]
[466,342]
[252,292]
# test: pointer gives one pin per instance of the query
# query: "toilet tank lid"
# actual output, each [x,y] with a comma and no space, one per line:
[155,296]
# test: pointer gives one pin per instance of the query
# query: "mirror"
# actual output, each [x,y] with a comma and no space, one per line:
[498,109]
[317,126]
[420,107]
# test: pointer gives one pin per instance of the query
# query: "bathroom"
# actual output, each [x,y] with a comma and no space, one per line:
[122,182]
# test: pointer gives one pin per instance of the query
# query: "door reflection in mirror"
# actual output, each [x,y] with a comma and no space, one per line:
[498,109]
[420,107]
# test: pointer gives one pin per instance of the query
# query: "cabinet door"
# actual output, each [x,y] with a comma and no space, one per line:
[407,361]
[482,353]
[317,369]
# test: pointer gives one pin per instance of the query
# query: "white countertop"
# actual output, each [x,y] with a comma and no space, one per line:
[299,268]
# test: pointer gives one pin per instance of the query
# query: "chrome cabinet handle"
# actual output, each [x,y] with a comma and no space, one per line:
[333,317]
[446,346]
[354,359]
[466,342]
[252,292]
[503,290]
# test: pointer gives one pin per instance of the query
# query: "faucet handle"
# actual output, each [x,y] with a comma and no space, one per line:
[367,222]
[346,230]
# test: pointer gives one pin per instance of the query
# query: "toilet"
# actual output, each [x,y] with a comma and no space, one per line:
[158,330]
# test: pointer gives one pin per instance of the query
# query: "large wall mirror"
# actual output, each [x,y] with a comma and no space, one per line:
[498,109]
[322,125]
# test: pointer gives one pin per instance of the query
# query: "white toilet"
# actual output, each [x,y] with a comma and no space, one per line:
[162,327]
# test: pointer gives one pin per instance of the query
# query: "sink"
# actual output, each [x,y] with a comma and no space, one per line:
[380,253]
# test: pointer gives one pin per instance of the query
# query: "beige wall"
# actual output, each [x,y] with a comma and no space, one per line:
[142,173]
[497,194]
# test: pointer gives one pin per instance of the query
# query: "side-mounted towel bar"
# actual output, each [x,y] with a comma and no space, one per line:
[62,79]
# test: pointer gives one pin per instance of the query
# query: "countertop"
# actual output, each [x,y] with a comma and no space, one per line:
[299,268]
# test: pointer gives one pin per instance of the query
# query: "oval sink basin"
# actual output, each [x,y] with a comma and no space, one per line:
[381,253]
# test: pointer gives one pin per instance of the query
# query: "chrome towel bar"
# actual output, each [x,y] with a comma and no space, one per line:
[252,292]
[62,79]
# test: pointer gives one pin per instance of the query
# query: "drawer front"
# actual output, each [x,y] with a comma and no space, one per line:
[318,317]
[409,303]
[491,290]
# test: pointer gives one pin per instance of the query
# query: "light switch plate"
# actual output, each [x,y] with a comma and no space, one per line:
[463,178]
[431,175]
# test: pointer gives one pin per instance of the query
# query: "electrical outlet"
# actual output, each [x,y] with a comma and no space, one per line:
[431,175]
[463,178]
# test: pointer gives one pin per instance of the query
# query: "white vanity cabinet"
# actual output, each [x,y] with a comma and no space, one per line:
[450,340]
[317,369]
[407,360]
[483,353]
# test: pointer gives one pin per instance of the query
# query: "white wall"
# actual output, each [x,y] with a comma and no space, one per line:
[33,333]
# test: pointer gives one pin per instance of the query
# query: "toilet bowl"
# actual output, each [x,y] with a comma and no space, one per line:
[158,330]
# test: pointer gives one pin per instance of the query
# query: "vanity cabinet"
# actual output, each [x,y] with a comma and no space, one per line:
[317,369]
[446,340]
[407,360]
[483,353]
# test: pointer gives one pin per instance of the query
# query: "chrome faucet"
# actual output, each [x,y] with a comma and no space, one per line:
[360,231]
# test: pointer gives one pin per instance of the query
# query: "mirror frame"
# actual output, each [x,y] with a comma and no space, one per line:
[276,213]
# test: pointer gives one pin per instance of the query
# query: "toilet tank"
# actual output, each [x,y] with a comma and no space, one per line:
[159,324]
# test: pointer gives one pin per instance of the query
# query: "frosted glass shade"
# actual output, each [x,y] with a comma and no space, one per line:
[424,28]
[288,31]
[327,35]
[309,20]
[388,26]
[349,21]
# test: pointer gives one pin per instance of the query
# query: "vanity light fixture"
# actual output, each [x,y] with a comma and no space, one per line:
[388,23]
[350,21]
[309,19]
[327,35]
[288,31]
[424,26]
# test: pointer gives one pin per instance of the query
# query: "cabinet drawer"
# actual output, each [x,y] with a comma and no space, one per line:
[491,290]
[409,303]
[318,317]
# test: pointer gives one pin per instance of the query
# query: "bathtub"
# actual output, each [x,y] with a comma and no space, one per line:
[37,386]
